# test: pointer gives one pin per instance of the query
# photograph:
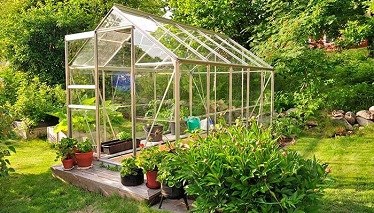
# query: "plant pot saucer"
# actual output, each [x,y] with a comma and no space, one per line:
[68,169]
[83,168]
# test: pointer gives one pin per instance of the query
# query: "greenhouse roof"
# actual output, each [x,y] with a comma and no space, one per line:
[164,41]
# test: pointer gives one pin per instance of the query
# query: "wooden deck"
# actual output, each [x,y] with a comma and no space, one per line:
[107,182]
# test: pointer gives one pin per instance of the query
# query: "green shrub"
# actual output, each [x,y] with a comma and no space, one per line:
[5,150]
[241,169]
[150,158]
[286,127]
[128,167]
[34,100]
[338,80]
[171,168]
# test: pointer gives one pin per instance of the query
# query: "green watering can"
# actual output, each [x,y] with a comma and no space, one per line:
[193,123]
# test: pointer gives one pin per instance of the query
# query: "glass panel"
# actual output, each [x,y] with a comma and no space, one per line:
[83,52]
[216,54]
[146,51]
[179,48]
[114,19]
[238,51]
[223,49]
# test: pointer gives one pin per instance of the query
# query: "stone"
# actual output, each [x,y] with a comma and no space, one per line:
[343,122]
[363,121]
[371,109]
[350,117]
[338,113]
[290,111]
[365,114]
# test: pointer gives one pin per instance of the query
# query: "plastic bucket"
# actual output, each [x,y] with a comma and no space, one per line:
[206,124]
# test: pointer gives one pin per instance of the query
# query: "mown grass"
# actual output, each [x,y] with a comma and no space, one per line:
[351,160]
[33,188]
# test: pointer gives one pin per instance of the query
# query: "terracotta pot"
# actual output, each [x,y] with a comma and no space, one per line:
[84,159]
[152,182]
[68,164]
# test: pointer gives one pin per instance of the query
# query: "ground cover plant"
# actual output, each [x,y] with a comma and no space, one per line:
[32,188]
[239,169]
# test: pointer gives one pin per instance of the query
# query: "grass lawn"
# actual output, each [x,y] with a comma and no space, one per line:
[33,189]
[351,160]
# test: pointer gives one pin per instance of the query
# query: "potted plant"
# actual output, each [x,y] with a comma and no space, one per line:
[65,152]
[84,154]
[131,174]
[149,159]
[171,176]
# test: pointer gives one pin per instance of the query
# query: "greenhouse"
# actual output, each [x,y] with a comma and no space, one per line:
[148,79]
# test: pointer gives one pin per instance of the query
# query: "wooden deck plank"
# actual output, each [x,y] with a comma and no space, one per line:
[106,182]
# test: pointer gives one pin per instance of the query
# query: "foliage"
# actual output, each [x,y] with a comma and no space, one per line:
[85,146]
[286,127]
[34,100]
[241,169]
[170,170]
[33,32]
[124,136]
[5,150]
[150,158]
[84,120]
[65,148]
[320,80]
[128,167]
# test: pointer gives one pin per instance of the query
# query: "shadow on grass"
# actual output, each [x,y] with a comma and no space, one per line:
[308,148]
[44,193]
[343,206]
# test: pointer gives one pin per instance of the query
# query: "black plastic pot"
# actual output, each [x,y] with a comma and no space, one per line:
[172,192]
[133,180]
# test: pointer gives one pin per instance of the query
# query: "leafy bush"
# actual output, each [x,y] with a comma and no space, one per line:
[170,171]
[317,80]
[34,100]
[286,127]
[241,169]
[150,158]
[5,150]
[128,167]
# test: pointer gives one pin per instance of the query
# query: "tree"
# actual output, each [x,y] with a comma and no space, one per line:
[33,32]
[271,25]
